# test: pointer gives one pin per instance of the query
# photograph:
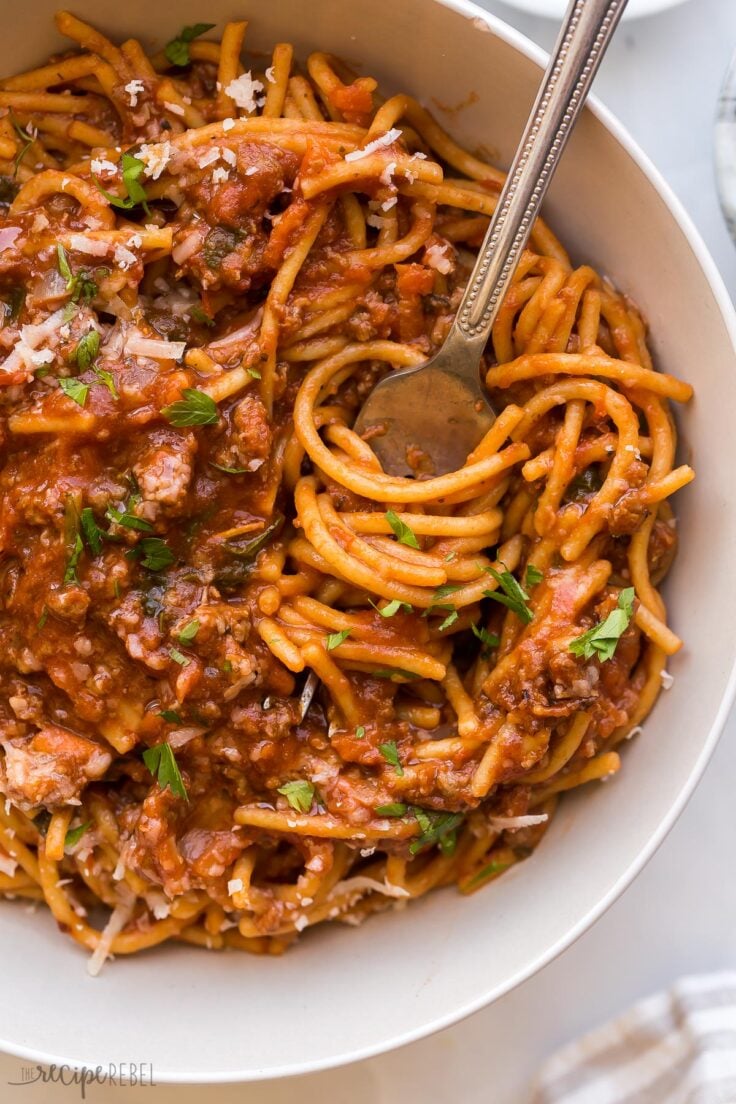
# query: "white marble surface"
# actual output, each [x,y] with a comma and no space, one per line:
[661,77]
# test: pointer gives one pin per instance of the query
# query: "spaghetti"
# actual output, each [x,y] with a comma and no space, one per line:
[204,270]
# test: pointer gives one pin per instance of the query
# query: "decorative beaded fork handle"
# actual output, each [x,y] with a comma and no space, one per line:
[440,408]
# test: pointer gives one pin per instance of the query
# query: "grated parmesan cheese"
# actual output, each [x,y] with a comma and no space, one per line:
[228,124]
[228,156]
[8,866]
[386,176]
[209,157]
[220,175]
[243,91]
[82,244]
[270,75]
[235,885]
[667,679]
[175,109]
[512,823]
[437,259]
[155,156]
[381,142]
[99,165]
[43,356]
[134,88]
[123,257]
[389,203]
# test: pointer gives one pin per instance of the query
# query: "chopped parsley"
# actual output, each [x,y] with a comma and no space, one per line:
[127,519]
[393,809]
[91,531]
[74,835]
[392,608]
[70,573]
[449,620]
[512,595]
[194,408]
[404,533]
[601,641]
[107,379]
[74,389]
[228,471]
[200,315]
[394,673]
[177,51]
[254,373]
[334,640]
[87,349]
[299,794]
[487,639]
[435,828]
[153,553]
[79,286]
[135,192]
[390,753]
[162,764]
[488,871]
[26,137]
[533,575]
[360,732]
[188,633]
[170,716]
[443,592]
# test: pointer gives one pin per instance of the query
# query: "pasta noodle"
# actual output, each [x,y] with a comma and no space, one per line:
[204,269]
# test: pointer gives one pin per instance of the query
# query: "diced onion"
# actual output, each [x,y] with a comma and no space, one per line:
[8,234]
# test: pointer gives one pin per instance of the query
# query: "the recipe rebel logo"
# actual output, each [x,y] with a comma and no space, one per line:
[120,1074]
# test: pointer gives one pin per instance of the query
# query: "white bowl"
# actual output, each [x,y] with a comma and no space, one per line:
[344,994]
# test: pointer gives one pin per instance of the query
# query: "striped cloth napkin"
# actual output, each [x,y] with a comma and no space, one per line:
[678,1047]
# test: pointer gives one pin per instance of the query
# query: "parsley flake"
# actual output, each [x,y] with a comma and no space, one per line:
[334,640]
[162,764]
[188,633]
[153,553]
[91,531]
[107,379]
[70,573]
[601,641]
[392,608]
[449,620]
[177,51]
[390,753]
[394,673]
[87,349]
[170,715]
[177,657]
[403,532]
[436,828]
[487,639]
[74,389]
[393,809]
[194,408]
[533,575]
[360,732]
[132,168]
[299,794]
[74,835]
[512,595]
[127,519]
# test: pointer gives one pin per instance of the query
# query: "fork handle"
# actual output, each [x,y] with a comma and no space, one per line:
[582,42]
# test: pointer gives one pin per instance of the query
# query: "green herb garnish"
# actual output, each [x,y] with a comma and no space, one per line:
[74,389]
[127,519]
[438,828]
[194,408]
[87,349]
[188,633]
[393,809]
[601,641]
[390,753]
[177,51]
[334,640]
[177,657]
[533,575]
[394,673]
[132,168]
[153,553]
[487,639]
[74,835]
[404,533]
[162,764]
[360,732]
[170,716]
[107,379]
[392,608]
[299,794]
[512,595]
[449,620]
[91,531]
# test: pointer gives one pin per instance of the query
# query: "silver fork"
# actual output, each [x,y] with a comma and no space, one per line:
[441,408]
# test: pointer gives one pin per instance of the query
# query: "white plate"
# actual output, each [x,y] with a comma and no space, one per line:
[554,9]
[344,994]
